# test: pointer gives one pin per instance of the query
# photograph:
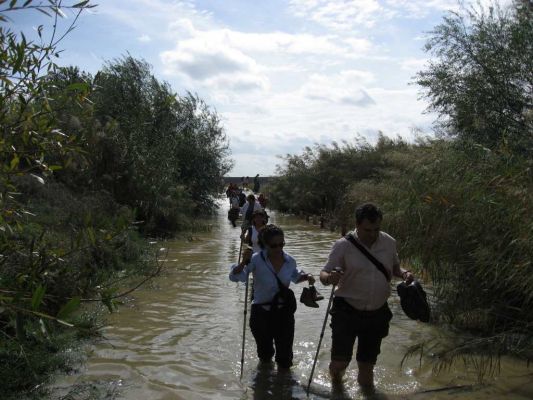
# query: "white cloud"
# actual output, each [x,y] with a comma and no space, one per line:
[354,15]
[269,42]
[344,15]
[345,88]
[229,62]
[144,38]
[413,64]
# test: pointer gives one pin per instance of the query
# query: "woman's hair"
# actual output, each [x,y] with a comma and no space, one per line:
[268,233]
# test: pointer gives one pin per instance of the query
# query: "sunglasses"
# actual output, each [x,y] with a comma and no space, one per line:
[276,245]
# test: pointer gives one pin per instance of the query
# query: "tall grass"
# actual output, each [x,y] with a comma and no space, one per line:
[462,216]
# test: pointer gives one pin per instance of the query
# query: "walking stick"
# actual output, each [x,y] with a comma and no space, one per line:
[244,325]
[320,340]
[245,312]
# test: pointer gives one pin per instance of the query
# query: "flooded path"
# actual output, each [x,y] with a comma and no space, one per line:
[180,338]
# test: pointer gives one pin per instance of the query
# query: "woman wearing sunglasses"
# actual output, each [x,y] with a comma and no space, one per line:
[272,314]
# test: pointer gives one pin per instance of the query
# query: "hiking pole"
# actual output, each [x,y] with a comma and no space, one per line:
[244,325]
[320,340]
[245,312]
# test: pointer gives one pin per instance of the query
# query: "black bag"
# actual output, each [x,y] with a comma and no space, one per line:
[285,294]
[414,301]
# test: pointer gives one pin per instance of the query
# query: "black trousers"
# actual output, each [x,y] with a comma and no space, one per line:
[273,328]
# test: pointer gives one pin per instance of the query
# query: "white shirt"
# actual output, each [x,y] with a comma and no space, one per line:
[362,285]
[255,240]
[244,208]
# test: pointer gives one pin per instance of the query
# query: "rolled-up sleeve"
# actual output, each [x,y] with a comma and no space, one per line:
[336,257]
[241,276]
[297,274]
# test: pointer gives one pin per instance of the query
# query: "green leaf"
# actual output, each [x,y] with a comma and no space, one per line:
[80,4]
[69,308]
[43,327]
[37,297]
[14,162]
[12,3]
[109,304]
[65,323]
[92,237]
[82,86]
[41,180]
[44,12]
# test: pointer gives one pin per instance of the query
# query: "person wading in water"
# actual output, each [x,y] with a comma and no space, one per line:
[247,211]
[259,221]
[360,307]
[272,314]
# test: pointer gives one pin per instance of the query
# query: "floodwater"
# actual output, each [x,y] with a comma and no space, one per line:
[180,337]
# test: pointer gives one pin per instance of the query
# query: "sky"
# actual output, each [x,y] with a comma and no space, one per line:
[282,75]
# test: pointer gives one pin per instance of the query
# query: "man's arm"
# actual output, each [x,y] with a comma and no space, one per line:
[402,273]
[329,274]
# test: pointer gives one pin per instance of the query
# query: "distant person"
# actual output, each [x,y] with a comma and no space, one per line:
[262,200]
[242,183]
[259,221]
[257,185]
[234,210]
[242,198]
[246,182]
[247,211]
[360,310]
[271,317]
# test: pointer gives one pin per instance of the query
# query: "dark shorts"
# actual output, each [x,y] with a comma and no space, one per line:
[369,327]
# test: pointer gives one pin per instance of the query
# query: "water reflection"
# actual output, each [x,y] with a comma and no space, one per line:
[271,384]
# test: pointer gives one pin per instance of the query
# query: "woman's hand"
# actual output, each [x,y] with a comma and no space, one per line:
[247,256]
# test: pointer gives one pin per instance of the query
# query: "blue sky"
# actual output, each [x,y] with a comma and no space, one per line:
[281,74]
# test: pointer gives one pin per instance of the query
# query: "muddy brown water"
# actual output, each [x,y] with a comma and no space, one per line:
[180,337]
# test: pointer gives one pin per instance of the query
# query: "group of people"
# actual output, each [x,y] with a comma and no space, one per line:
[360,266]
[239,204]
[245,181]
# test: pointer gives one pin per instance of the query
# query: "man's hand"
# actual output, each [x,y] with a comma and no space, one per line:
[408,277]
[334,277]
[311,279]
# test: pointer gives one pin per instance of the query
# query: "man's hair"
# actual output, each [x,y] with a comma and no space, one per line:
[268,233]
[368,211]
[251,197]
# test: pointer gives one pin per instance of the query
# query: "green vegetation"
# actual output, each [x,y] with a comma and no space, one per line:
[87,165]
[460,205]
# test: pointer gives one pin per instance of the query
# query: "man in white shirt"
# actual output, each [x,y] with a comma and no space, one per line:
[360,307]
